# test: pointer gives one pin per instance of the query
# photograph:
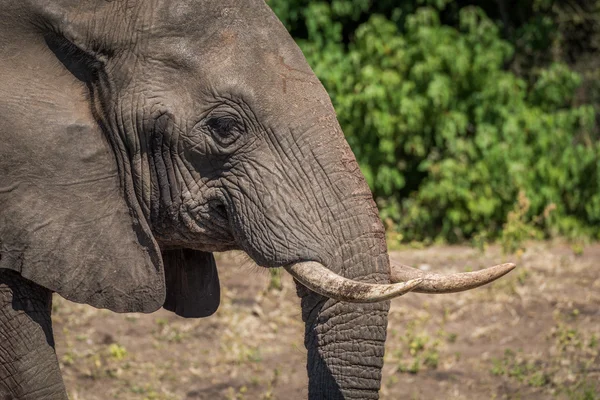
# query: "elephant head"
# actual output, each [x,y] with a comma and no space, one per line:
[139,137]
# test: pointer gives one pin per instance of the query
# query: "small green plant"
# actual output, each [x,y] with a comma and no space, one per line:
[161,322]
[147,391]
[452,337]
[577,248]
[233,394]
[117,352]
[566,369]
[593,342]
[171,333]
[514,365]
[419,350]
[275,279]
[567,337]
[517,228]
[480,241]
[586,390]
[538,379]
[522,276]
[268,394]
[68,358]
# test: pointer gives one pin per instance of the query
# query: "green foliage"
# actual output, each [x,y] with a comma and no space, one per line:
[419,349]
[517,229]
[567,369]
[446,136]
[514,366]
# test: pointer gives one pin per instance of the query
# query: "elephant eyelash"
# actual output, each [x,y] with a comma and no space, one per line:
[84,66]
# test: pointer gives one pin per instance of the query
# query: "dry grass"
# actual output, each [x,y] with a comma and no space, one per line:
[533,335]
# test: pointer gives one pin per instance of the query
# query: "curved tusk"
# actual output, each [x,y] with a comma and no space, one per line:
[318,278]
[433,283]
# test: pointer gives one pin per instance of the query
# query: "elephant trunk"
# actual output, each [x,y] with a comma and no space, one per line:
[311,205]
[346,341]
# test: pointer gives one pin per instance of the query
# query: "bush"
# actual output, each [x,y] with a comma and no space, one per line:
[446,135]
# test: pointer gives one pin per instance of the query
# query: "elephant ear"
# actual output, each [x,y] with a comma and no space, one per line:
[192,283]
[69,219]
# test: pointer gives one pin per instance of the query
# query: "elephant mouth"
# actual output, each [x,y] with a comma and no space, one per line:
[220,221]
[322,280]
[208,226]
[220,211]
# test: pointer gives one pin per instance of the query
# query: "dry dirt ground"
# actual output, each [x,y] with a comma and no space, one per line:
[533,335]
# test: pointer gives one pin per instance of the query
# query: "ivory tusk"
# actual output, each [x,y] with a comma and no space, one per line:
[434,283]
[318,278]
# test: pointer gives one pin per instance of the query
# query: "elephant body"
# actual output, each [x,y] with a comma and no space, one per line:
[139,137]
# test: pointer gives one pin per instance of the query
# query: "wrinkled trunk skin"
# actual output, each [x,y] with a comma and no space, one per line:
[345,346]
[332,219]
[341,229]
[345,341]
[28,364]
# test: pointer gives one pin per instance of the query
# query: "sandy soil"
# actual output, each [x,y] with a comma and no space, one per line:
[533,335]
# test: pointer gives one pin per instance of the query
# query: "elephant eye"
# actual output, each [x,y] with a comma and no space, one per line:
[225,130]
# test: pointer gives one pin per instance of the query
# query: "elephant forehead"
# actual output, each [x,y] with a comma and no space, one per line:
[204,21]
[228,37]
[127,24]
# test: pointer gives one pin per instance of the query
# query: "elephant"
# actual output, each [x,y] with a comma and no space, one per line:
[139,138]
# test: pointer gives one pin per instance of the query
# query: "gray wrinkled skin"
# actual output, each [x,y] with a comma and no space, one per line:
[138,137]
[29,368]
